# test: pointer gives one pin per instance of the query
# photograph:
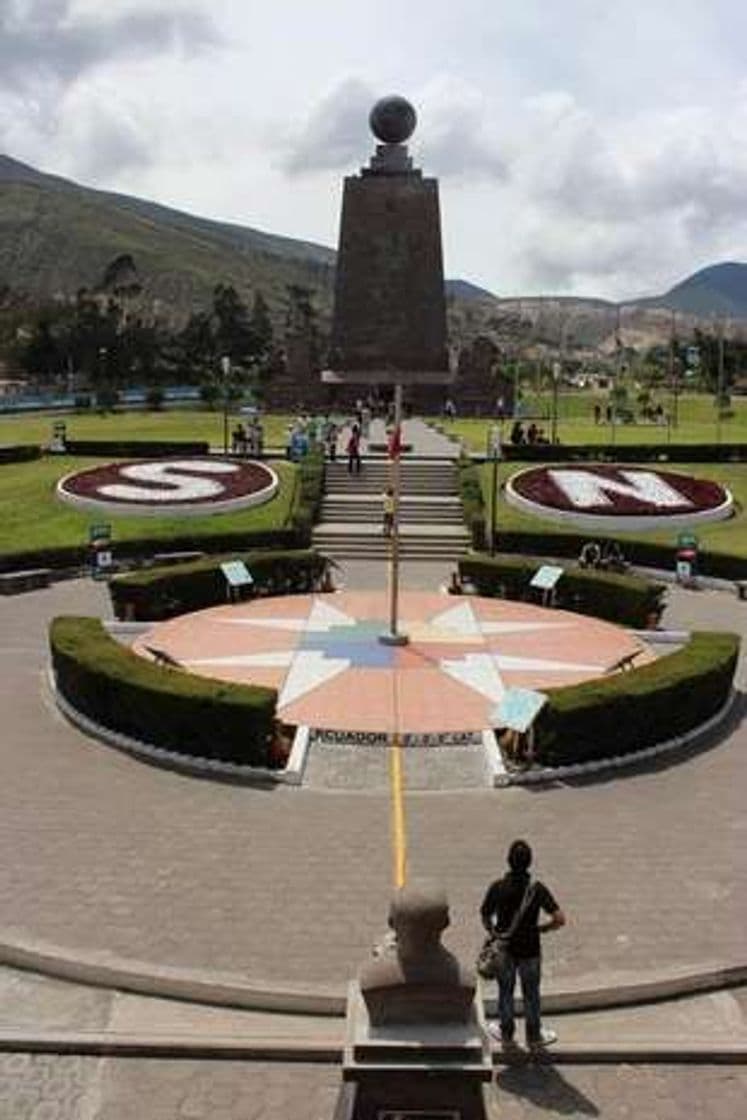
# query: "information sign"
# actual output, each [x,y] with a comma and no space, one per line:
[237,574]
[546,577]
[518,709]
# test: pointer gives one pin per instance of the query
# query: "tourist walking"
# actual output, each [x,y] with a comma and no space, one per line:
[388,507]
[510,911]
[354,450]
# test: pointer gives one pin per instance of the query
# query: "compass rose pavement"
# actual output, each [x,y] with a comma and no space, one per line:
[324,656]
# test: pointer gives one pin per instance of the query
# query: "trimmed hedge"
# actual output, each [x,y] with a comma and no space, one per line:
[20,453]
[160,593]
[648,554]
[163,707]
[473,505]
[627,712]
[136,448]
[308,494]
[69,557]
[629,452]
[628,600]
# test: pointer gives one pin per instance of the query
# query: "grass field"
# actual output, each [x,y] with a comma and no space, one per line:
[197,424]
[696,412]
[32,517]
[728,536]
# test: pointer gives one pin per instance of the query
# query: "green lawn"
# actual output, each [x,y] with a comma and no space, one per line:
[697,422]
[728,536]
[32,517]
[184,424]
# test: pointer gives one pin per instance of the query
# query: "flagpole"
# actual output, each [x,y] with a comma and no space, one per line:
[393,637]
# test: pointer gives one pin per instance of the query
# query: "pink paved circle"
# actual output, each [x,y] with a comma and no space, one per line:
[323,655]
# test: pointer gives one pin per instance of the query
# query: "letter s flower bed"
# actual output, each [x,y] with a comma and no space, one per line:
[162,707]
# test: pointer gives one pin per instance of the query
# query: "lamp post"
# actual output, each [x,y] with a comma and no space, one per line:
[225,369]
[493,452]
[556,371]
[720,381]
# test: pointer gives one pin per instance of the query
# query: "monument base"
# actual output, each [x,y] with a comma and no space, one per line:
[436,1071]
[387,638]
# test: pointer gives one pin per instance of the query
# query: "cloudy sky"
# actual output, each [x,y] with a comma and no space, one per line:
[582,147]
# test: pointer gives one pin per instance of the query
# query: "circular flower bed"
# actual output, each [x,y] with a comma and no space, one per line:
[604,497]
[169,487]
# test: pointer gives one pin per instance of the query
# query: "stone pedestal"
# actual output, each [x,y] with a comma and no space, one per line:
[416,1042]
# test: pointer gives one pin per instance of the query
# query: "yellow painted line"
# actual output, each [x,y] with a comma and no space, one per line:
[399,829]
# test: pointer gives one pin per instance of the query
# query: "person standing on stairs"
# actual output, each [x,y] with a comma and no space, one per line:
[354,450]
[388,504]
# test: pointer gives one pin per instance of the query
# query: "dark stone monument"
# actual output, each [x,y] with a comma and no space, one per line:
[416,1040]
[389,323]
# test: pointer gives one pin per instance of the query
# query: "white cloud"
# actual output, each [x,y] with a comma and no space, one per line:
[580,147]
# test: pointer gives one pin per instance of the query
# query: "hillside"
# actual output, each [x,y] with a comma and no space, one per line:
[56,237]
[720,289]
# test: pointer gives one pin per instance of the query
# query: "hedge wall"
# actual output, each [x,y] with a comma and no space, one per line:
[648,554]
[163,707]
[629,452]
[628,600]
[66,557]
[473,505]
[20,453]
[136,448]
[159,593]
[308,494]
[626,712]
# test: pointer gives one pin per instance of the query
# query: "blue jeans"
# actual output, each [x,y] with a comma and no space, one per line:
[529,971]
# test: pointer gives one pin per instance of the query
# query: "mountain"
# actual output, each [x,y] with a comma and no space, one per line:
[57,236]
[720,289]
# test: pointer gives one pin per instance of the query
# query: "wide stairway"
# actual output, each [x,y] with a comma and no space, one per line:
[431,522]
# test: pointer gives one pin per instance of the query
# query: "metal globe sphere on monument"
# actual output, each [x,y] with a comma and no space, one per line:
[393,119]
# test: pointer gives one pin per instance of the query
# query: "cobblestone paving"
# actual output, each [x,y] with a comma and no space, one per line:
[342,767]
[109,854]
[48,1088]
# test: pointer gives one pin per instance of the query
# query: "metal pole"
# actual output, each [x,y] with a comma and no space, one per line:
[720,384]
[393,637]
[493,503]
[673,370]
[225,365]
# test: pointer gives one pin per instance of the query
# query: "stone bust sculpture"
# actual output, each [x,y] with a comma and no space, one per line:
[417,980]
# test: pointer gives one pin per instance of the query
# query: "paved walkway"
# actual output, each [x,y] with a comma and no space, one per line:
[107,856]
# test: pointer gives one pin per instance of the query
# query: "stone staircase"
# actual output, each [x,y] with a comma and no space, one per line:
[431,522]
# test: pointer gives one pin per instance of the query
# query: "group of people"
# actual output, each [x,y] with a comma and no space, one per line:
[248,440]
[532,434]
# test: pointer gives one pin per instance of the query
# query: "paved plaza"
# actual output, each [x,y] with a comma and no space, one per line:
[114,860]
[117,864]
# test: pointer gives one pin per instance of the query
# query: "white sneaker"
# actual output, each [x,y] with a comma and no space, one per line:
[546,1038]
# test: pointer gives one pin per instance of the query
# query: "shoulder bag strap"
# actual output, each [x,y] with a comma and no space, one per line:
[516,920]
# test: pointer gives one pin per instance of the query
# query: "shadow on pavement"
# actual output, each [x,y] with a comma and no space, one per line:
[544,1087]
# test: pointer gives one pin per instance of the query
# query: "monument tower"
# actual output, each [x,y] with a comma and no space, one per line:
[389,323]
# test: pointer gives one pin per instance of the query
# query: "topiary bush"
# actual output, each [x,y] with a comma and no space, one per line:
[159,706]
[308,494]
[628,600]
[629,711]
[160,593]
[473,505]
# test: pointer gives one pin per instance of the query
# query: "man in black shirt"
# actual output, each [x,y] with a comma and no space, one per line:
[504,898]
